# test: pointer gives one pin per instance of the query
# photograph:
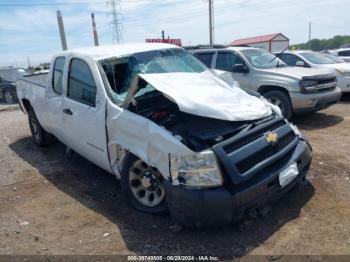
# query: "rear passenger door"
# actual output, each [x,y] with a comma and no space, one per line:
[206,58]
[226,60]
[84,112]
[54,98]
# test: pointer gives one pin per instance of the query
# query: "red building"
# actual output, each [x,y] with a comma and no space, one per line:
[272,42]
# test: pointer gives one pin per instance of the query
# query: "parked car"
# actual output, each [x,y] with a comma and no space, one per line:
[8,79]
[294,90]
[178,137]
[310,59]
[332,57]
[343,53]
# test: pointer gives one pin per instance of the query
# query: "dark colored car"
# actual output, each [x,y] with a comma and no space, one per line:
[8,79]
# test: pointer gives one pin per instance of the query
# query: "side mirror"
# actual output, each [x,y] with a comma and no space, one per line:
[240,68]
[300,63]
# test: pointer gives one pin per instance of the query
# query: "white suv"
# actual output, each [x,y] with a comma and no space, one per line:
[343,53]
[310,59]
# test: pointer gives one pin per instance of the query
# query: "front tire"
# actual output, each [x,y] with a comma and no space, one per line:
[281,100]
[143,186]
[40,136]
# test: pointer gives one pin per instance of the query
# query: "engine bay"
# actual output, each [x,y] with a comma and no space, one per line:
[196,132]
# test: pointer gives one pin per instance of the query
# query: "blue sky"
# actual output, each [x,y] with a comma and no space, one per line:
[32,31]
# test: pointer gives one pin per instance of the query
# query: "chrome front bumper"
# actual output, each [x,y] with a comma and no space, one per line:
[304,103]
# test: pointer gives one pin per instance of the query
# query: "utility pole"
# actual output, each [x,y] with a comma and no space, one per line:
[309,35]
[61,29]
[94,29]
[116,24]
[211,22]
[28,62]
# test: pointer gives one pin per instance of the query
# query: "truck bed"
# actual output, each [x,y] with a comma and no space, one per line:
[37,79]
[33,88]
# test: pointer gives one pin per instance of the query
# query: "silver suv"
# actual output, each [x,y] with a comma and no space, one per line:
[295,90]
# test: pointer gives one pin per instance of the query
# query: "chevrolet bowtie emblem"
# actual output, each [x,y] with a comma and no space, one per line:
[272,138]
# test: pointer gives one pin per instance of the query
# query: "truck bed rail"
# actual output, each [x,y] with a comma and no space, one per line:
[40,79]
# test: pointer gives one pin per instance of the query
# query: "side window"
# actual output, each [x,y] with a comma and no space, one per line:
[1,76]
[291,60]
[205,58]
[226,61]
[58,75]
[282,56]
[344,53]
[81,84]
[5,75]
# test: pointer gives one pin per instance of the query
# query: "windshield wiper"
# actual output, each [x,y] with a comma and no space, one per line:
[277,56]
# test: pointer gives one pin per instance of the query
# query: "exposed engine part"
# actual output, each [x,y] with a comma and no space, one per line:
[198,133]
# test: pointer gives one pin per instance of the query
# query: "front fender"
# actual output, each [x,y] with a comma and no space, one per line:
[142,137]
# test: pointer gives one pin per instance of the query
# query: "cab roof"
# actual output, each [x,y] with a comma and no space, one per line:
[103,52]
[299,51]
[209,48]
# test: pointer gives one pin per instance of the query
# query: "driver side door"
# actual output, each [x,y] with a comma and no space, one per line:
[226,61]
[84,112]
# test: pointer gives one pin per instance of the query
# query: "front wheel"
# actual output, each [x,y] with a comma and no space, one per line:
[143,185]
[281,100]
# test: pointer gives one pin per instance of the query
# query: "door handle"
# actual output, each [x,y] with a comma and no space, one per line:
[67,111]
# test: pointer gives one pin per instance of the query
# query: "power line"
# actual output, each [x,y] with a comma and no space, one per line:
[62,4]
[49,4]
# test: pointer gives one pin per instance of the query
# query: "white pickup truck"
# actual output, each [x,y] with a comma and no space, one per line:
[179,138]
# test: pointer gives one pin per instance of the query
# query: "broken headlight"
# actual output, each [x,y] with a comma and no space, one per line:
[198,170]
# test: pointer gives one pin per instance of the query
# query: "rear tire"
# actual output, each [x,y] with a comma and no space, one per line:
[40,136]
[142,185]
[10,98]
[281,100]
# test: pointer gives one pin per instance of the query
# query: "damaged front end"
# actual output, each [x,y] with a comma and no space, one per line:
[209,142]
[175,113]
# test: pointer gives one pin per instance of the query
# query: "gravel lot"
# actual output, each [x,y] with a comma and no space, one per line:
[52,205]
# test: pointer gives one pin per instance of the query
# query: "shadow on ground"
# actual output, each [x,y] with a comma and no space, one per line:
[320,120]
[150,234]
[345,98]
[316,121]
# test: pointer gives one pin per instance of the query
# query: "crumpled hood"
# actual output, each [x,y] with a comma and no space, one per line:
[206,95]
[299,72]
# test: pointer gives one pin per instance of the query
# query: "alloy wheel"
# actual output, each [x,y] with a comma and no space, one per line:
[146,184]
[277,102]
[8,97]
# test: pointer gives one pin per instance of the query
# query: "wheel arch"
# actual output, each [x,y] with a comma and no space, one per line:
[26,105]
[266,88]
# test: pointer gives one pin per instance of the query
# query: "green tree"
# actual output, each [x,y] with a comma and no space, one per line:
[322,44]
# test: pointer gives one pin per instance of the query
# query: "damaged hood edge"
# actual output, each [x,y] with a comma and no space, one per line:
[204,94]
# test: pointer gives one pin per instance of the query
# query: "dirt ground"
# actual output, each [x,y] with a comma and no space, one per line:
[51,205]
